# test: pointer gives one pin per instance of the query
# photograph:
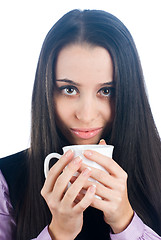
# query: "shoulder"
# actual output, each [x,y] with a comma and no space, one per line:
[14,170]
[14,157]
[11,165]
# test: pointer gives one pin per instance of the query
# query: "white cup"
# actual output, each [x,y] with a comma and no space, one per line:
[78,150]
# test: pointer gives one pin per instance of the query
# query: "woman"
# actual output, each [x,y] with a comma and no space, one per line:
[88,86]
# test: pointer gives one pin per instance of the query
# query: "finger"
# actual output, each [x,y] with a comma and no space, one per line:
[55,171]
[108,207]
[108,163]
[101,204]
[64,178]
[76,187]
[105,192]
[102,142]
[86,200]
[102,177]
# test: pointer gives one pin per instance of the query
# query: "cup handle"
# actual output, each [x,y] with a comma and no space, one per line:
[47,161]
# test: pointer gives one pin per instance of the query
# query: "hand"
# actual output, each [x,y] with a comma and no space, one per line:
[67,214]
[113,191]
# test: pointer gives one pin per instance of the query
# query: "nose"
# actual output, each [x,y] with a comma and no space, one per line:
[86,110]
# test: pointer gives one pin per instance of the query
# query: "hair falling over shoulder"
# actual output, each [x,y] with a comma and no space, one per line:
[137,146]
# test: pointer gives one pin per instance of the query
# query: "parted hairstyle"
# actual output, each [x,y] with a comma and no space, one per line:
[137,147]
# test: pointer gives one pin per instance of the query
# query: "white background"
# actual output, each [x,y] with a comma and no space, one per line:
[23,27]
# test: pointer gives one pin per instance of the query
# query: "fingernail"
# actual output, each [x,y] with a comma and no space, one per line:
[102,142]
[68,153]
[92,188]
[88,153]
[77,160]
[86,171]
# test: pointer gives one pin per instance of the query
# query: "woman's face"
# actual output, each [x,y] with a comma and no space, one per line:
[84,98]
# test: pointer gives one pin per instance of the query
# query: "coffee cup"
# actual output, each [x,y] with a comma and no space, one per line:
[78,150]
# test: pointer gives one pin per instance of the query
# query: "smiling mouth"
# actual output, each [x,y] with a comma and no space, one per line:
[86,133]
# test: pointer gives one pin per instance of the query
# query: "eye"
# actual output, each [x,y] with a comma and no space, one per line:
[105,92]
[68,90]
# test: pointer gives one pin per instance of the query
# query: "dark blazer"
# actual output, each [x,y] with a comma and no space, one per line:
[14,170]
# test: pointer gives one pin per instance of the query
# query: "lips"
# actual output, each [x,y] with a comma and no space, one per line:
[86,133]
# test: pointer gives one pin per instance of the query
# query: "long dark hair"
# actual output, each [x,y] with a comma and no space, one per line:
[133,134]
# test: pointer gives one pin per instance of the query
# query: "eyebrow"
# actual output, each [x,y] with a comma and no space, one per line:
[68,81]
[107,83]
[77,84]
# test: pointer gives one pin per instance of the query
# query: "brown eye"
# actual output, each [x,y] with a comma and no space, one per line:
[105,92]
[68,90]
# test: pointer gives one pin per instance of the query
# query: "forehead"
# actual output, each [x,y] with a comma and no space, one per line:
[83,61]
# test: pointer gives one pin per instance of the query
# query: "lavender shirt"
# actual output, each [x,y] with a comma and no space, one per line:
[136,230]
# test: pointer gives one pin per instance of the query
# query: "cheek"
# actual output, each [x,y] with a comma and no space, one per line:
[108,111]
[112,109]
[63,110]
